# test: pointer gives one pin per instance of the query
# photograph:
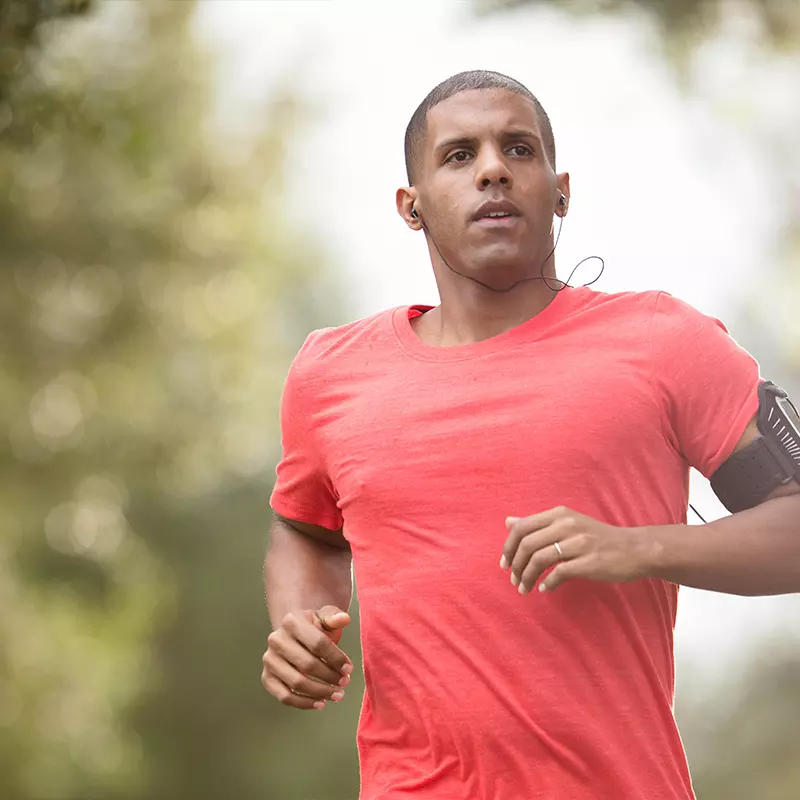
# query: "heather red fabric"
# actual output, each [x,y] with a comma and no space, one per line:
[601,403]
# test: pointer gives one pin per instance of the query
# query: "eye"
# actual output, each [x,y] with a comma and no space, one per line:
[458,156]
[526,151]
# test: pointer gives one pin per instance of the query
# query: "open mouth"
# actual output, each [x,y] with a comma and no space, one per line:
[497,219]
[500,213]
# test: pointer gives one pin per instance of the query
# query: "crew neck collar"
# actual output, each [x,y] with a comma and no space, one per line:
[529,330]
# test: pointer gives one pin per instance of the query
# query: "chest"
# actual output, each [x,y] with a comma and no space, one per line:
[409,434]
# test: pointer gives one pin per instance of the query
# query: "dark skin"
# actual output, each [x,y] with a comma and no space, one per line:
[754,552]
[486,145]
[307,572]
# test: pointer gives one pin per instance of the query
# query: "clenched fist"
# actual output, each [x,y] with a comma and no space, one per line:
[303,667]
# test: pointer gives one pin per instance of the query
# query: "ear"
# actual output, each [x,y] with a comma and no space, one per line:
[563,189]
[406,198]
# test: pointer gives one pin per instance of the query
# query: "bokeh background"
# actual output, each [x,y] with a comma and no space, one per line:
[188,188]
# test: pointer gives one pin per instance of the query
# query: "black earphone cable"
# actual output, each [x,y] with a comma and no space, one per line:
[698,514]
[540,277]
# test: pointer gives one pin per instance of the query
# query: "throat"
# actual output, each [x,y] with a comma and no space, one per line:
[454,325]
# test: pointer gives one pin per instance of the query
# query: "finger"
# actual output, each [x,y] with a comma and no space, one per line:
[519,528]
[331,618]
[299,683]
[317,643]
[563,572]
[304,661]
[539,563]
[285,695]
[540,546]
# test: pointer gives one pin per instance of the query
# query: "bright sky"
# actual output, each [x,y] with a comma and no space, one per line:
[668,195]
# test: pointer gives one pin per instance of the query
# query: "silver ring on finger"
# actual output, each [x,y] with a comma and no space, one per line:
[559,551]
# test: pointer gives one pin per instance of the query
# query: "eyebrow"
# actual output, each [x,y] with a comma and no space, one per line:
[467,141]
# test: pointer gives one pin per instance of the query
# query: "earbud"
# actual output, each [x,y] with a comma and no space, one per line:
[562,201]
[414,213]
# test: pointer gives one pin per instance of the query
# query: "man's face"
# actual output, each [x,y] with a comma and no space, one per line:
[483,156]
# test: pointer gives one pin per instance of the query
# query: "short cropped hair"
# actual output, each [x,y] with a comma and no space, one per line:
[464,82]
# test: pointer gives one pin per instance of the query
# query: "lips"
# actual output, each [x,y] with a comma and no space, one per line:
[496,212]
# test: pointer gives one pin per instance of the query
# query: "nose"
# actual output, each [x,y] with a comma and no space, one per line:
[492,169]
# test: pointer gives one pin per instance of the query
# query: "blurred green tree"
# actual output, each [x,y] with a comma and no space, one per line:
[743,735]
[153,292]
[681,20]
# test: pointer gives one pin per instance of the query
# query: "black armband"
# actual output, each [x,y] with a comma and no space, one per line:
[749,476]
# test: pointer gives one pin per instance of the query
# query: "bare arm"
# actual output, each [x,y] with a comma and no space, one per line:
[307,574]
[753,552]
[306,566]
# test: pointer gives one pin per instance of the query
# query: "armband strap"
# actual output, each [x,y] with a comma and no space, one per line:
[748,476]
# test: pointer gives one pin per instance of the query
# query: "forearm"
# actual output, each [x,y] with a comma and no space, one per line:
[753,552]
[301,573]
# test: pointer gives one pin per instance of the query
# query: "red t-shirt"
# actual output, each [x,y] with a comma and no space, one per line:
[600,403]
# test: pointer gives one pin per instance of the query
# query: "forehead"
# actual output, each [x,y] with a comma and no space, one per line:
[480,112]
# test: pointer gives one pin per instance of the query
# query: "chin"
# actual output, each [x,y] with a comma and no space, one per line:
[505,260]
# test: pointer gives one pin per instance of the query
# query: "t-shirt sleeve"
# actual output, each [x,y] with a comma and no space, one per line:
[706,383]
[303,490]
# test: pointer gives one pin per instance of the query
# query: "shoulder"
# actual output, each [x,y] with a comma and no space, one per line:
[680,327]
[587,298]
[652,305]
[634,309]
[668,307]
[343,343]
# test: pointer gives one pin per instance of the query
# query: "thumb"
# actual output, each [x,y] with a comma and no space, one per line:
[332,618]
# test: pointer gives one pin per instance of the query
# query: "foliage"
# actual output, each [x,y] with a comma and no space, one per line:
[743,738]
[21,22]
[694,20]
[152,294]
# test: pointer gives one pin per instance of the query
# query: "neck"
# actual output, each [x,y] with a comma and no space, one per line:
[470,313]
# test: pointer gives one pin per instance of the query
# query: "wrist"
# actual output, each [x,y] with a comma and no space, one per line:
[664,541]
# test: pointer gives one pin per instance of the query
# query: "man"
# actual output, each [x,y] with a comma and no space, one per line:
[520,435]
